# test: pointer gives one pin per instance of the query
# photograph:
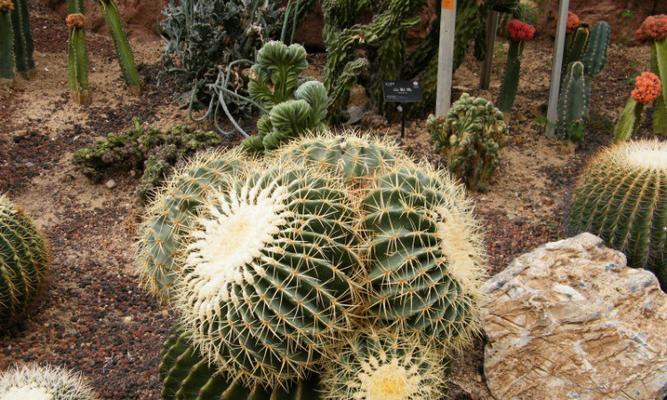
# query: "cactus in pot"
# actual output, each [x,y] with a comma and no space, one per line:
[34,382]
[519,33]
[647,89]
[77,54]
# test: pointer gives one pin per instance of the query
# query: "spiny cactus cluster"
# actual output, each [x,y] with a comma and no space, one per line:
[328,236]
[471,136]
[33,382]
[647,89]
[24,258]
[16,47]
[621,198]
[654,31]
[519,33]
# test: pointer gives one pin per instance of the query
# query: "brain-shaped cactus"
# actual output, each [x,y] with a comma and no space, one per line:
[32,382]
[267,282]
[23,261]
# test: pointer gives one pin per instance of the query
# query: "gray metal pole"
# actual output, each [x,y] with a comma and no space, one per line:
[559,50]
[446,57]
[487,66]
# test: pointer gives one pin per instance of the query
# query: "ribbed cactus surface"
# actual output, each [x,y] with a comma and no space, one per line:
[23,46]
[594,57]
[23,261]
[268,275]
[33,382]
[573,103]
[621,196]
[77,53]
[7,62]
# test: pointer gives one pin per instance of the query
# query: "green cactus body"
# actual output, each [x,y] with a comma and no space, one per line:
[6,47]
[510,84]
[24,259]
[594,57]
[123,49]
[187,375]
[172,212]
[23,46]
[424,253]
[573,103]
[621,197]
[33,382]
[471,137]
[268,282]
[659,66]
[77,66]
[629,122]
[385,365]
[575,46]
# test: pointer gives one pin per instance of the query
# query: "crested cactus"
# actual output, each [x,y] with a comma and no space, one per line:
[187,375]
[23,46]
[24,260]
[424,253]
[6,43]
[647,89]
[172,212]
[471,136]
[573,103]
[33,382]
[268,284]
[519,33]
[379,365]
[620,197]
[77,54]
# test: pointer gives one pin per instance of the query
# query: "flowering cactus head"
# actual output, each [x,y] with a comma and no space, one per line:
[647,88]
[6,6]
[520,31]
[654,28]
[573,21]
[76,20]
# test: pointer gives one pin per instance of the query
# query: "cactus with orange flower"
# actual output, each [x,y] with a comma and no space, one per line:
[519,33]
[647,89]
[654,30]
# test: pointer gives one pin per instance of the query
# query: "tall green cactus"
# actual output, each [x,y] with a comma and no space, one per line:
[34,382]
[23,46]
[575,46]
[621,196]
[510,84]
[6,43]
[659,67]
[24,260]
[573,103]
[123,49]
[594,57]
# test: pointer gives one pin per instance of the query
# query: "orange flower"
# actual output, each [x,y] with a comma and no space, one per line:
[573,21]
[6,6]
[76,20]
[520,31]
[647,88]
[653,28]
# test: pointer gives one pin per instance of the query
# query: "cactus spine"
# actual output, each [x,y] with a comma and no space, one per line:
[77,54]
[123,49]
[6,43]
[621,197]
[23,261]
[33,382]
[23,46]
[573,103]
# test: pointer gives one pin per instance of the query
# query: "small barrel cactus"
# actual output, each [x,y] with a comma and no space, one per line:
[573,103]
[647,89]
[424,253]
[621,197]
[24,259]
[384,365]
[33,382]
[471,136]
[268,278]
[519,33]
[173,211]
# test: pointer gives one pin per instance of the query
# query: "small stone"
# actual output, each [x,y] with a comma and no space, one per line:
[127,320]
[110,184]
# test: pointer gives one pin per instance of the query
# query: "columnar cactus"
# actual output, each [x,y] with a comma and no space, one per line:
[594,57]
[621,197]
[33,382]
[573,103]
[425,257]
[267,284]
[23,46]
[471,136]
[647,89]
[519,33]
[77,53]
[654,30]
[6,43]
[174,210]
[23,261]
[385,365]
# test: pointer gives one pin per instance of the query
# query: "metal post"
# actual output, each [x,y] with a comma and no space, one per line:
[559,49]
[446,57]
[487,66]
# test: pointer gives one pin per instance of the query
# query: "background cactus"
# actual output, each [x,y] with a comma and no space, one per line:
[519,33]
[573,103]
[621,197]
[77,54]
[6,42]
[43,383]
[471,136]
[23,46]
[647,89]
[594,56]
[23,261]
[654,31]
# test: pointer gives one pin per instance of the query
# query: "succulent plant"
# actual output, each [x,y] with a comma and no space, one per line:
[519,33]
[620,197]
[23,46]
[77,54]
[424,255]
[385,365]
[187,375]
[268,278]
[573,103]
[174,209]
[24,258]
[6,42]
[654,31]
[33,382]
[471,136]
[647,89]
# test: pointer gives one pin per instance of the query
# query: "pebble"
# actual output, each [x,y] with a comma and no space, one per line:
[110,184]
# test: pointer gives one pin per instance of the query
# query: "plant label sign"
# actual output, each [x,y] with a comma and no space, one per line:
[402,91]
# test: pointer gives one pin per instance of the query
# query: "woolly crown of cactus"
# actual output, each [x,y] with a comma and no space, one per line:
[268,282]
[384,365]
[520,31]
[33,382]
[647,88]
[573,21]
[76,20]
[654,28]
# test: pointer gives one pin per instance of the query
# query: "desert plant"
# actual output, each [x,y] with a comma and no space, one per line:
[654,30]
[647,89]
[24,258]
[573,103]
[620,197]
[6,42]
[33,382]
[587,44]
[187,375]
[173,211]
[77,54]
[471,136]
[385,365]
[23,46]
[519,33]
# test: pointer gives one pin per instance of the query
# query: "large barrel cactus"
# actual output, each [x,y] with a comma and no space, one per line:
[267,283]
[23,261]
[622,197]
[174,209]
[32,382]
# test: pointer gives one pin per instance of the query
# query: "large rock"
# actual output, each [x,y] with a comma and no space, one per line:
[570,321]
